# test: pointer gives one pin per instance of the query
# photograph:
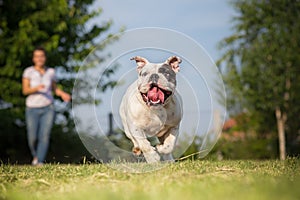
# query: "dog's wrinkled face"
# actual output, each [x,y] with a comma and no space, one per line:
[157,82]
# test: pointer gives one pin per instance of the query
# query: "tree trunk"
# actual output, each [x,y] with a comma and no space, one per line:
[281,119]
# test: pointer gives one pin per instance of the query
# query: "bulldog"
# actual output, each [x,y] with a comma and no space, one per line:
[151,107]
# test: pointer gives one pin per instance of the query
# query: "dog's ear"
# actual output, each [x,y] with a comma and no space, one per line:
[174,62]
[140,61]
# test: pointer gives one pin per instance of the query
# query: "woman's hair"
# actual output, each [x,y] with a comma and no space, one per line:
[39,48]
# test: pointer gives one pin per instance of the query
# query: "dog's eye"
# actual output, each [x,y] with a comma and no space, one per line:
[144,74]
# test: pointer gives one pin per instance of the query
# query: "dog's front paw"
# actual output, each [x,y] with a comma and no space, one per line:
[136,151]
[164,148]
[151,157]
[160,148]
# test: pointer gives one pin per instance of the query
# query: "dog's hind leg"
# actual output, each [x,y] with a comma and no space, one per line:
[168,142]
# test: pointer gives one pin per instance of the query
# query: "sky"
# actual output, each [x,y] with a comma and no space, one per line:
[206,21]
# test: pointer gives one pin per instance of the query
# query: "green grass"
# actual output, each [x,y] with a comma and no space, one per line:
[182,180]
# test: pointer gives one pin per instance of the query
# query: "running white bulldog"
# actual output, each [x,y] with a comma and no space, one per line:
[151,107]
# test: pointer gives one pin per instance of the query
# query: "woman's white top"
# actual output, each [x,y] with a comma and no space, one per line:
[43,97]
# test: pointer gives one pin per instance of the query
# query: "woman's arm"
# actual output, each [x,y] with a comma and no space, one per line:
[58,92]
[26,89]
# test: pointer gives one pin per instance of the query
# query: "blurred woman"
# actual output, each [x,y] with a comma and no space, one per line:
[38,82]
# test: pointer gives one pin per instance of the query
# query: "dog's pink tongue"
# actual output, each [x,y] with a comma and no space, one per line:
[155,94]
[161,96]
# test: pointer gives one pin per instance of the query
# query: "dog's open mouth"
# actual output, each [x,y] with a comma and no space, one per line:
[156,95]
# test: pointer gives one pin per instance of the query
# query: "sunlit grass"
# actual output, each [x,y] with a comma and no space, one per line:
[181,180]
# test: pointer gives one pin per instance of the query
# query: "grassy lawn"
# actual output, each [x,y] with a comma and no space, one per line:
[201,179]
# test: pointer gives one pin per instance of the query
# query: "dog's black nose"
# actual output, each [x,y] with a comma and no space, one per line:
[153,78]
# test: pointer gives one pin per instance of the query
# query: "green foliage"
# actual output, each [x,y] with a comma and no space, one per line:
[13,140]
[182,180]
[64,28]
[263,148]
[192,152]
[58,25]
[262,62]
[65,147]
[251,147]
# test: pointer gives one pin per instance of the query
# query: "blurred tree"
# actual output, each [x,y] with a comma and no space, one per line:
[262,66]
[66,30]
[62,27]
